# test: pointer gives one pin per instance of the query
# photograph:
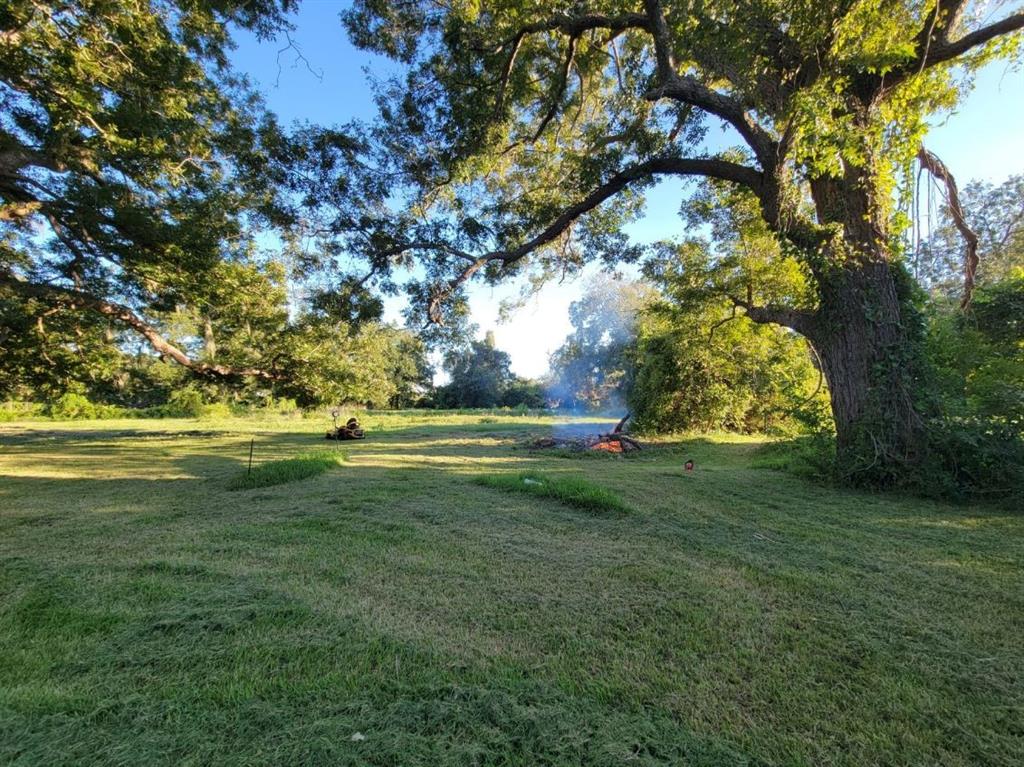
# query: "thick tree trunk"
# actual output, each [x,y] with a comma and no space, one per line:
[868,359]
[865,341]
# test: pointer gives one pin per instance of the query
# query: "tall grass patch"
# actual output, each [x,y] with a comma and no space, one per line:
[810,457]
[301,466]
[572,491]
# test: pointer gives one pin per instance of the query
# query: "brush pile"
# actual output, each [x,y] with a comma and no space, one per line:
[616,441]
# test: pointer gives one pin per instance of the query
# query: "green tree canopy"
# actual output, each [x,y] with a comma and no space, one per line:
[701,365]
[137,175]
[480,375]
[127,151]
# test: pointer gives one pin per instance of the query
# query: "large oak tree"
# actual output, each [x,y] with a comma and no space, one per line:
[528,131]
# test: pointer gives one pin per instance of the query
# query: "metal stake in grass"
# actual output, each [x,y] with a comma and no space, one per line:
[252,444]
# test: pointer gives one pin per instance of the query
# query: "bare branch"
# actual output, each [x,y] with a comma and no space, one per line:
[618,64]
[563,83]
[444,292]
[931,163]
[299,58]
[507,72]
[438,245]
[662,42]
[717,325]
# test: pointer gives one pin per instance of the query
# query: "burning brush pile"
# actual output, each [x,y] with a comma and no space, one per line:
[615,441]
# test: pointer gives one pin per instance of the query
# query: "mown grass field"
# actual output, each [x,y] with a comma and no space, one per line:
[393,610]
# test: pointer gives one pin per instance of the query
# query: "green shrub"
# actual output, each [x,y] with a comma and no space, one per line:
[70,406]
[811,456]
[572,491]
[523,394]
[281,406]
[966,460]
[216,410]
[74,406]
[287,470]
[17,411]
[977,356]
[185,403]
[189,402]
[972,459]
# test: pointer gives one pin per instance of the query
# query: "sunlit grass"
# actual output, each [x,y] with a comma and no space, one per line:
[302,466]
[572,491]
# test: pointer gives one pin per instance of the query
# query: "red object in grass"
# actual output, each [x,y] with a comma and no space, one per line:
[689,465]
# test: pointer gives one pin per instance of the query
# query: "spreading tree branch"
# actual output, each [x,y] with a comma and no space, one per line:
[800,320]
[934,45]
[575,26]
[945,49]
[125,316]
[680,166]
[690,90]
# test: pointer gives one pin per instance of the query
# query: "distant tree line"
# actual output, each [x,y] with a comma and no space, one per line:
[481,376]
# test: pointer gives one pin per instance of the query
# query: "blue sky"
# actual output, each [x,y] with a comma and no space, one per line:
[984,139]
